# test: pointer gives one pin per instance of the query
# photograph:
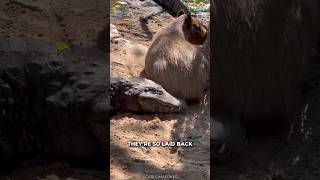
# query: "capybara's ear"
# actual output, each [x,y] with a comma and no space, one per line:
[181,12]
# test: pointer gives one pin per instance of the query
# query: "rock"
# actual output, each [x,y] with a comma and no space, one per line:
[114,33]
[120,41]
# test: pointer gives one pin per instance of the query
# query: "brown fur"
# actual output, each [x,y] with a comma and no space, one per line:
[260,53]
[175,62]
[206,45]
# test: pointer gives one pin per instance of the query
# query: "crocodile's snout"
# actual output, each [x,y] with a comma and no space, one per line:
[156,99]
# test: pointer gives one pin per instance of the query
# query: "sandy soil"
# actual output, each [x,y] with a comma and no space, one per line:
[127,57]
[76,22]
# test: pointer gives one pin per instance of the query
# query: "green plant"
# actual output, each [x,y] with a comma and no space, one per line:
[62,46]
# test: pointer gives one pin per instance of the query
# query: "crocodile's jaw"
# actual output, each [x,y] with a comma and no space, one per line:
[161,103]
[158,99]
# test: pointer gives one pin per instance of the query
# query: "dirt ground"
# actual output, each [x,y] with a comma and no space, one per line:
[292,157]
[77,22]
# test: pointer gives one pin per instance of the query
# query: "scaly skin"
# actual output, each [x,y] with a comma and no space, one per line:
[173,6]
[52,102]
[139,94]
[57,102]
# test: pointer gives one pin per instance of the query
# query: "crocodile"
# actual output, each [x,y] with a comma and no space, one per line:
[138,94]
[173,6]
[56,101]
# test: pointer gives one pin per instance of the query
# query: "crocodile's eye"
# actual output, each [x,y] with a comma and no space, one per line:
[153,90]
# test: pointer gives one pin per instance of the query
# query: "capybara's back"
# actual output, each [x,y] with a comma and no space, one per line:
[175,61]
